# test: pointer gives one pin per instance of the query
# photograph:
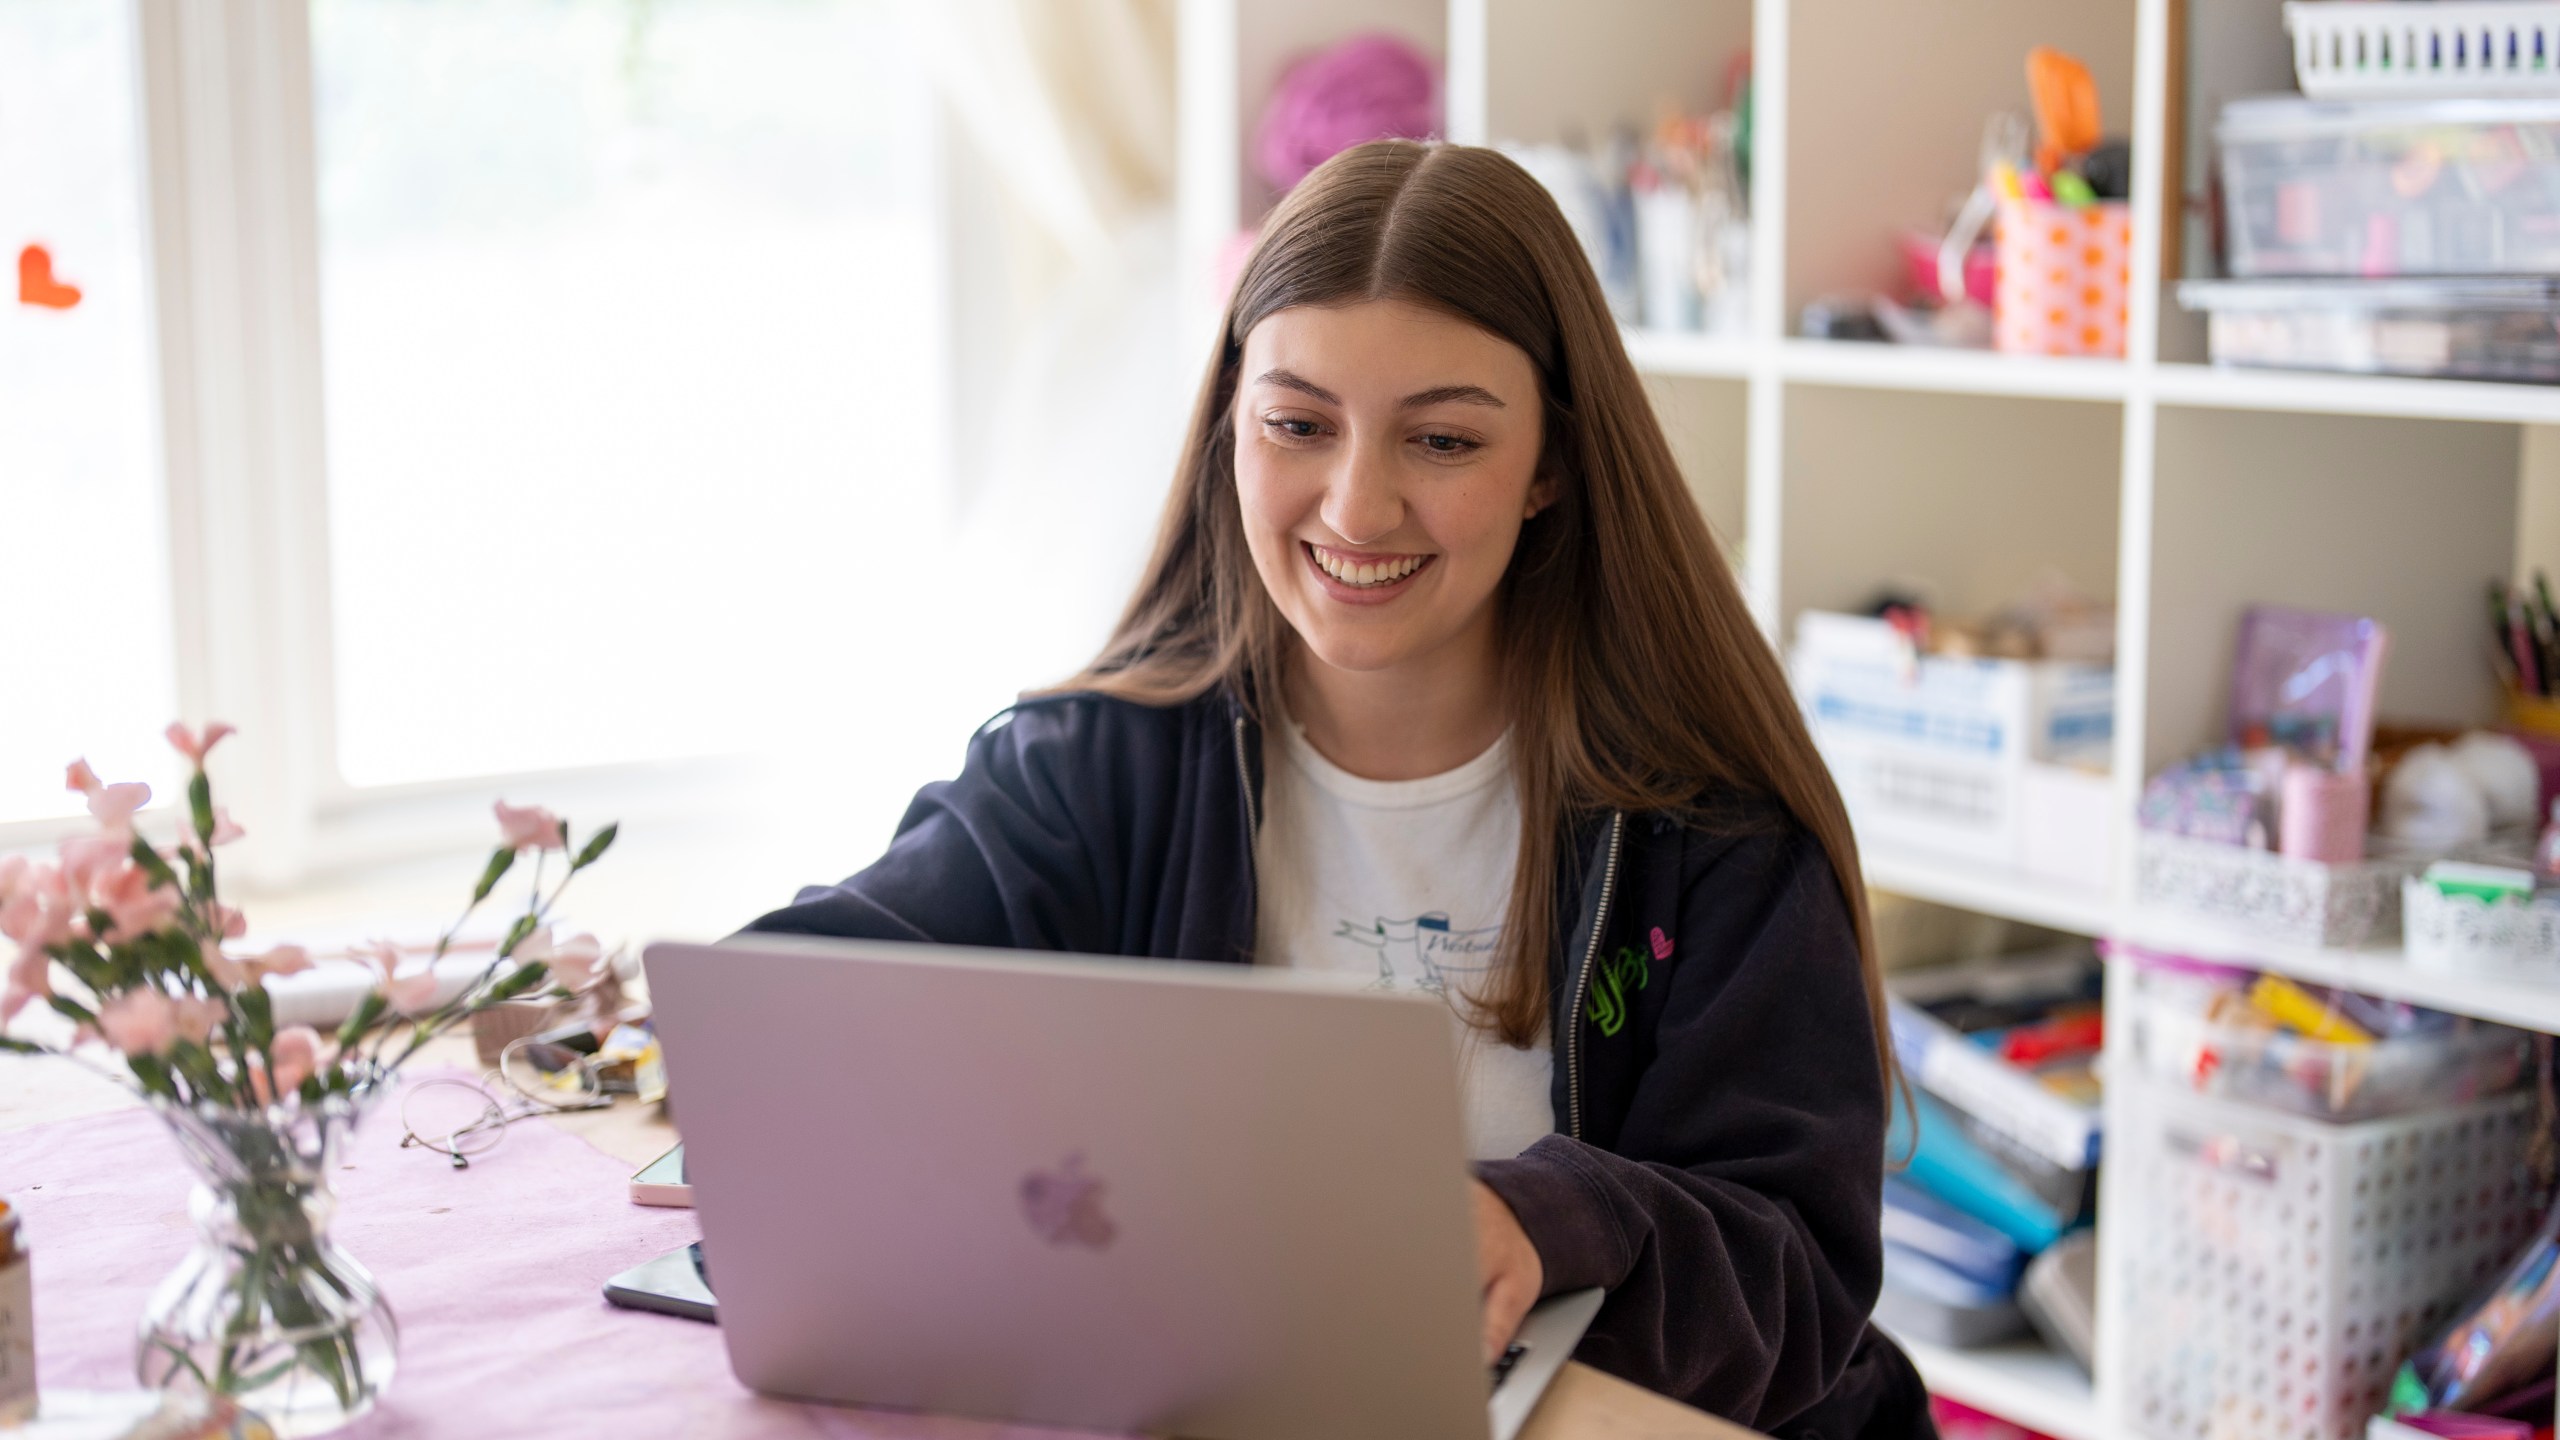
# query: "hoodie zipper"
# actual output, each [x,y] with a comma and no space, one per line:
[1582,977]
[1244,778]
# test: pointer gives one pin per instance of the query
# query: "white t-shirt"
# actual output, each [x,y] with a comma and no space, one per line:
[1407,882]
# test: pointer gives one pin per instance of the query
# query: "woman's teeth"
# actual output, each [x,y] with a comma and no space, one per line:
[1366,574]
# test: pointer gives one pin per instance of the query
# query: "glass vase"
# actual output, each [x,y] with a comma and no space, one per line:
[266,1309]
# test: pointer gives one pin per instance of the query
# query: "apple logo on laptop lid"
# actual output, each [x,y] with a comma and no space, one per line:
[1064,1206]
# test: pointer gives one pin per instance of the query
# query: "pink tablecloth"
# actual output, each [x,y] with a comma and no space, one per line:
[493,1272]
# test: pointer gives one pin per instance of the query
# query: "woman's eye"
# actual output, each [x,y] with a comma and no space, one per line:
[1447,444]
[1293,429]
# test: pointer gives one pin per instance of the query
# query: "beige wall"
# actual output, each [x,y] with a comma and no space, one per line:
[2538,503]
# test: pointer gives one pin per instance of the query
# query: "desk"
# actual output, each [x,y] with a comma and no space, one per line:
[493,1273]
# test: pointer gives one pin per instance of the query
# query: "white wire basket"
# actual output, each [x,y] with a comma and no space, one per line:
[2285,1266]
[2362,50]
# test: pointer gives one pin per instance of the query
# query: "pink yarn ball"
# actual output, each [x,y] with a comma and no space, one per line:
[1370,87]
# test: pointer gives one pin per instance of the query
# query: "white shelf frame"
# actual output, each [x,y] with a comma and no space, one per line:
[2022,1382]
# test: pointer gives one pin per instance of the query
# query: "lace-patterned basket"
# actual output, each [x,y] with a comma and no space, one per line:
[2301,901]
[2466,935]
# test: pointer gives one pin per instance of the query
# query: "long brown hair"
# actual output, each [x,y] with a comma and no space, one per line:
[1636,677]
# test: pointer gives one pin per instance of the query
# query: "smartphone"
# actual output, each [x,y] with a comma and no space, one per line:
[662,1182]
[673,1284]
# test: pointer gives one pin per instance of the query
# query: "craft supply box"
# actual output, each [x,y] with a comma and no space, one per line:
[2373,189]
[2486,328]
[1932,753]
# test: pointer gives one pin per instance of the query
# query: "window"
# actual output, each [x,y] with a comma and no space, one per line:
[628,341]
[83,579]
[466,392]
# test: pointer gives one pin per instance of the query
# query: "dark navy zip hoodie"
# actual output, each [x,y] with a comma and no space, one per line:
[1719,1147]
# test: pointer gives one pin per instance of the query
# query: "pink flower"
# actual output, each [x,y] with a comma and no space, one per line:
[40,908]
[37,909]
[230,924]
[89,862]
[186,742]
[113,805]
[134,906]
[14,870]
[409,994]
[197,1017]
[139,1022]
[298,1051]
[283,960]
[30,978]
[574,961]
[238,973]
[520,826]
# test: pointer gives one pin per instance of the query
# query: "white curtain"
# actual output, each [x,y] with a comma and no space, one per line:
[1058,163]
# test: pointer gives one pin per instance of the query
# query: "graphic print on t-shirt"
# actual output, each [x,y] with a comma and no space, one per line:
[1404,885]
[1425,953]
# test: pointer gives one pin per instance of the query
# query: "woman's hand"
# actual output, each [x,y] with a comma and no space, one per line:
[1513,1273]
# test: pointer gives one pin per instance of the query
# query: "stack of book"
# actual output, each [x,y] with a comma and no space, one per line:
[1998,1139]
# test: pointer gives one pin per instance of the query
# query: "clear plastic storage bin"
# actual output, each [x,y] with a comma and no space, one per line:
[2175,1044]
[2421,187]
[2284,1267]
[2478,329]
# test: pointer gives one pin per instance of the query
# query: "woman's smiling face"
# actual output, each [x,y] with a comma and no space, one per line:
[1386,456]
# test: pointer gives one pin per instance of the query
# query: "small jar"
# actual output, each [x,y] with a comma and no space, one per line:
[17,1322]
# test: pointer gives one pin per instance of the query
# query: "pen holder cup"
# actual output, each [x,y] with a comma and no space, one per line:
[2062,278]
[2534,713]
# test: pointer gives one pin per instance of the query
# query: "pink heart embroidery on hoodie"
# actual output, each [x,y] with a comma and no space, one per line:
[1661,944]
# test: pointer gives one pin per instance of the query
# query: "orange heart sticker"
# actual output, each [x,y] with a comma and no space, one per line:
[36,285]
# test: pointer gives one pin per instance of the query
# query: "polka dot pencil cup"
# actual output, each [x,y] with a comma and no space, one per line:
[2062,278]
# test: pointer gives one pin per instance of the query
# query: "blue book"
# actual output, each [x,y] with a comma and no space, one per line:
[1922,1224]
[1913,1273]
[1946,1163]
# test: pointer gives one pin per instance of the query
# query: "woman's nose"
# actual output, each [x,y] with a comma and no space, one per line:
[1362,503]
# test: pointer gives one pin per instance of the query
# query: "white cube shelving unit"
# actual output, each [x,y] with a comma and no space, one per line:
[2184,491]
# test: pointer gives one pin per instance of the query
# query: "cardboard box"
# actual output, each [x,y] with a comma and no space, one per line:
[1931,754]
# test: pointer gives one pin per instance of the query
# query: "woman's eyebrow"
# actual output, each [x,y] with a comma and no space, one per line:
[1451,394]
[1292,380]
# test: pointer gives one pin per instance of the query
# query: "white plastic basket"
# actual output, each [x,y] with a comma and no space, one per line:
[2361,50]
[2285,1267]
[2466,935]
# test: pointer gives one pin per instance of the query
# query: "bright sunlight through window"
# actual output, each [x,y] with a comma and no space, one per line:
[83,578]
[629,345]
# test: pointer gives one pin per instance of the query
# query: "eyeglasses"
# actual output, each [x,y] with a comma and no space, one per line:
[459,1119]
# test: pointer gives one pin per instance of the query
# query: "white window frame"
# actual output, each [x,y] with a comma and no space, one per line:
[230,173]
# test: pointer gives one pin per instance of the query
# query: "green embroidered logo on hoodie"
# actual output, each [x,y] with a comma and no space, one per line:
[1611,979]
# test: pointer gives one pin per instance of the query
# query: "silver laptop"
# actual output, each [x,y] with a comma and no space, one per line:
[1121,1195]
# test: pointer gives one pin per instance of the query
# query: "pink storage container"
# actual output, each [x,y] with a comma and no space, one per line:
[2062,278]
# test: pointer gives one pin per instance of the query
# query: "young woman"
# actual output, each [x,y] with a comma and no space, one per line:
[1436,674]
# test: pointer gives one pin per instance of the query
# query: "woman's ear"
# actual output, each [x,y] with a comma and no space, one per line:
[1542,492]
